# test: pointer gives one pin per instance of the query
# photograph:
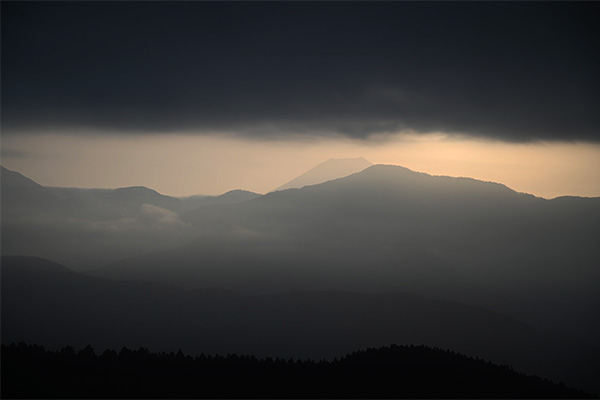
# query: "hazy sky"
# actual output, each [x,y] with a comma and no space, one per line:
[200,97]
[193,164]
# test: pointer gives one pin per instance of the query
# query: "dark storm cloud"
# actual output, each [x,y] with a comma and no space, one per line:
[513,71]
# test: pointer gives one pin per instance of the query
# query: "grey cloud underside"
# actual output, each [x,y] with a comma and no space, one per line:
[511,71]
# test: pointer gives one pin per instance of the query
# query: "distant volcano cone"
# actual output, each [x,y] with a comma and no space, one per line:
[333,168]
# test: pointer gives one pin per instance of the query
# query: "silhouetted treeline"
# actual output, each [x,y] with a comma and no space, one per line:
[30,371]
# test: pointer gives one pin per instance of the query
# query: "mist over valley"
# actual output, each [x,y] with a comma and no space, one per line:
[384,255]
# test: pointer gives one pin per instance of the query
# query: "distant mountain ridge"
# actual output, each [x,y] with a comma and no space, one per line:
[19,187]
[385,228]
[46,303]
[230,197]
[333,168]
[390,228]
[77,226]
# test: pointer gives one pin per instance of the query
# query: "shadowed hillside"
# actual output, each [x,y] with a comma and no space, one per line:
[46,303]
[384,229]
[388,372]
[390,228]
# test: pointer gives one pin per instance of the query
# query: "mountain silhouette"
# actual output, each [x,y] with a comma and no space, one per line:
[384,229]
[13,181]
[46,303]
[388,372]
[390,228]
[17,189]
[333,168]
[230,197]
[77,225]
[21,195]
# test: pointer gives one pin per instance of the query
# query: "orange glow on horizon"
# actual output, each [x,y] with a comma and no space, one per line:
[182,165]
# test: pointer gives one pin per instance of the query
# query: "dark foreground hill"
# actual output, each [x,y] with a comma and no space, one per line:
[388,372]
[46,303]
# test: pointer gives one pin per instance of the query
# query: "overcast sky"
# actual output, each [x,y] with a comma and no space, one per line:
[514,71]
[301,72]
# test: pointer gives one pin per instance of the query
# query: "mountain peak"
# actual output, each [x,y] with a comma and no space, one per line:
[135,191]
[13,178]
[333,168]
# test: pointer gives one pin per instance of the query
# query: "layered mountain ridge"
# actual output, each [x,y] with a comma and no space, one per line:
[44,302]
[383,229]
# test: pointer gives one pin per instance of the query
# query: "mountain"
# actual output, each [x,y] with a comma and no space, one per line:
[389,211]
[77,226]
[13,181]
[383,229]
[86,227]
[20,191]
[230,197]
[388,228]
[46,303]
[30,371]
[331,169]
[21,195]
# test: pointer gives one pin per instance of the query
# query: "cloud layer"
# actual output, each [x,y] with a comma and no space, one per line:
[510,71]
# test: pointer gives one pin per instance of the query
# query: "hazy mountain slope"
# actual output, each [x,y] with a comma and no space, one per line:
[326,171]
[385,228]
[391,217]
[389,228]
[20,191]
[22,196]
[230,197]
[47,304]
[90,227]
[86,227]
[13,181]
